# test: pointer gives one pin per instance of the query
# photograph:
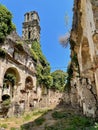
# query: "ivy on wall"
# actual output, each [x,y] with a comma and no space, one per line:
[69,77]
[44,77]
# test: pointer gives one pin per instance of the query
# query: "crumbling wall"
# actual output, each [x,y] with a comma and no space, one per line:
[84,39]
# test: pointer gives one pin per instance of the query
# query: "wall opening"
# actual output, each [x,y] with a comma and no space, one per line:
[10,81]
[28,83]
[29,35]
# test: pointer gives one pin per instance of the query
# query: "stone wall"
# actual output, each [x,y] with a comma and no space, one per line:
[84,36]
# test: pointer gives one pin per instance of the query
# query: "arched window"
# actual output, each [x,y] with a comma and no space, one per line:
[28,83]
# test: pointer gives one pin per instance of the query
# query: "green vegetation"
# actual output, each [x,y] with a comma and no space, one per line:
[74,65]
[6,102]
[9,78]
[22,122]
[25,127]
[75,60]
[3,126]
[39,121]
[44,78]
[70,121]
[6,25]
[59,80]
[13,128]
[59,115]
[37,49]
[69,77]
[34,56]
[38,112]
[96,125]
[2,53]
[28,116]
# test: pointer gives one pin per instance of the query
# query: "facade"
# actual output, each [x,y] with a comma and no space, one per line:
[18,89]
[18,65]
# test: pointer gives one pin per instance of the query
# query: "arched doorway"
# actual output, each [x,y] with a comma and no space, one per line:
[11,79]
[10,82]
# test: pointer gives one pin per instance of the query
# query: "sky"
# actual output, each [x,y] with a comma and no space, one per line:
[52,21]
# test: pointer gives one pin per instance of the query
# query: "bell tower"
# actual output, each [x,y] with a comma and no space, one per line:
[31,27]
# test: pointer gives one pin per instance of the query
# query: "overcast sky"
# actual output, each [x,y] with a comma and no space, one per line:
[52,21]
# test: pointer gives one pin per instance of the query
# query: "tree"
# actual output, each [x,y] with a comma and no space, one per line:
[65,39]
[6,25]
[59,80]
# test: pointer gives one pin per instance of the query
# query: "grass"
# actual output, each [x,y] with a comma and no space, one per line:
[13,128]
[59,115]
[63,120]
[39,121]
[27,117]
[14,123]
[70,121]
[25,127]
[3,125]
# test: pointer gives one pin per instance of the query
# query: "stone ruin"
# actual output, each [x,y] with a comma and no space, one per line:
[84,44]
[20,93]
[24,94]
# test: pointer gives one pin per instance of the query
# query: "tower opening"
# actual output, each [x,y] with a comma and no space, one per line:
[27,17]
[29,35]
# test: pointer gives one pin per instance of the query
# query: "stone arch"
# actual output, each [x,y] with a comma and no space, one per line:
[85,55]
[14,71]
[28,83]
[11,79]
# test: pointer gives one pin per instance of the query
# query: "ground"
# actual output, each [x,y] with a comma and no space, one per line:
[58,118]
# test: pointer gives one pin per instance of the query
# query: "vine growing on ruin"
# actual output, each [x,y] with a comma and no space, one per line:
[44,77]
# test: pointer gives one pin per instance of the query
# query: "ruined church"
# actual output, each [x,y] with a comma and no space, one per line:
[18,83]
[16,63]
